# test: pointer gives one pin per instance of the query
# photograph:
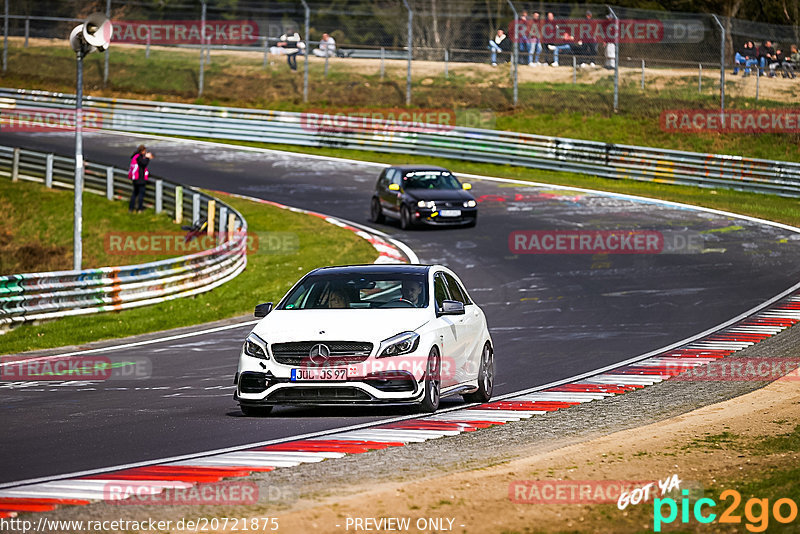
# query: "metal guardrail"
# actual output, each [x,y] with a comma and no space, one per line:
[37,296]
[470,144]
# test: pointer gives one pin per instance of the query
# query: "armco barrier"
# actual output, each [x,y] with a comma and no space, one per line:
[27,297]
[470,144]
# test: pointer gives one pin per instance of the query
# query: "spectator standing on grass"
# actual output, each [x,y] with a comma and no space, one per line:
[550,22]
[522,37]
[138,174]
[611,51]
[500,43]
[591,48]
[290,42]
[327,47]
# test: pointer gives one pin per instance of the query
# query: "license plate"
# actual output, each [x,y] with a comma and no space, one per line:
[302,375]
[450,213]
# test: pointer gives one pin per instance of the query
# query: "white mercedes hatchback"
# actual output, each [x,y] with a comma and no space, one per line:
[367,334]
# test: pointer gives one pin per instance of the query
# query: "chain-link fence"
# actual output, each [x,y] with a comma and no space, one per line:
[481,54]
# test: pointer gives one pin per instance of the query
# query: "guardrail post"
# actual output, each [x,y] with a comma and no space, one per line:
[223,218]
[48,171]
[27,31]
[212,205]
[178,204]
[383,68]
[231,225]
[110,183]
[195,207]
[159,195]
[15,166]
[446,60]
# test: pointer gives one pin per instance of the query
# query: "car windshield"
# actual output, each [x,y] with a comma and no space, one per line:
[430,180]
[358,291]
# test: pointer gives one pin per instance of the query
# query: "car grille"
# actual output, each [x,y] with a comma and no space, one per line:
[449,204]
[342,352]
[316,395]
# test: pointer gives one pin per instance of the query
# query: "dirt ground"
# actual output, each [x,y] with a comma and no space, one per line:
[478,500]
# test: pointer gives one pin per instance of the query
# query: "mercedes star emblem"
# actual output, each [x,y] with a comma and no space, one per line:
[319,354]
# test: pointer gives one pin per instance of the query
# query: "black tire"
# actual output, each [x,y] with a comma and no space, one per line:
[485,378]
[433,384]
[375,212]
[405,218]
[255,411]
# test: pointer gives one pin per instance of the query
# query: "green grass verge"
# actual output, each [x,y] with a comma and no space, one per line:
[40,239]
[770,207]
[267,277]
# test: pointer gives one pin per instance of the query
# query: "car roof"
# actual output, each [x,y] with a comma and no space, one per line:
[384,268]
[418,167]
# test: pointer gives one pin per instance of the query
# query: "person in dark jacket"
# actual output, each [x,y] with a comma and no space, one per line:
[766,55]
[139,174]
[501,44]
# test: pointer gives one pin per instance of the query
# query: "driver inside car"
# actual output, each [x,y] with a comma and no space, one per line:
[338,299]
[412,292]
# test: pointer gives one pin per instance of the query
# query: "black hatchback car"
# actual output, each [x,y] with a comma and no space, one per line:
[417,194]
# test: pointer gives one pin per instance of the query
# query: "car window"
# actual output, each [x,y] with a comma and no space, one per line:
[456,290]
[439,291]
[394,176]
[383,181]
[358,290]
[430,180]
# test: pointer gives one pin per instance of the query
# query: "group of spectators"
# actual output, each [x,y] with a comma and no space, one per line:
[766,57]
[531,47]
[290,45]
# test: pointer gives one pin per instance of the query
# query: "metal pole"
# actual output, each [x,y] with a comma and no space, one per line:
[616,59]
[5,38]
[306,51]
[574,70]
[27,31]
[266,50]
[48,171]
[147,45]
[202,41]
[721,70]
[699,77]
[642,74]
[383,69]
[105,60]
[410,52]
[77,249]
[515,56]
[446,59]
[327,54]
[758,78]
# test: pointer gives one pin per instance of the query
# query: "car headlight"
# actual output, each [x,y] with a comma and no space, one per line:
[470,203]
[399,344]
[256,347]
[426,204]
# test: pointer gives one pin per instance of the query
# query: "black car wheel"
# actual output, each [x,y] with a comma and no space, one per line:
[405,218]
[485,378]
[255,411]
[375,212]
[430,402]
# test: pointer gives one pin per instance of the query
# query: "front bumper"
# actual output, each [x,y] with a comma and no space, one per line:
[434,217]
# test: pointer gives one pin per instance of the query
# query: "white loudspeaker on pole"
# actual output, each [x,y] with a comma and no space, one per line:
[93,34]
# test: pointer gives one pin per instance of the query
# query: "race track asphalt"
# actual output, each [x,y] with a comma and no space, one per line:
[551,315]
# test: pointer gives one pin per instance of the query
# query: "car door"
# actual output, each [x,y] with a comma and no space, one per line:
[447,329]
[390,200]
[468,329]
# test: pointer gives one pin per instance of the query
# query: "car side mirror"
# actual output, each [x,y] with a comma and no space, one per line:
[394,187]
[262,310]
[452,307]
[466,187]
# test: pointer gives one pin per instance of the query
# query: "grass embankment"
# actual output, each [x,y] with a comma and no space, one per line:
[37,224]
[549,104]
[268,276]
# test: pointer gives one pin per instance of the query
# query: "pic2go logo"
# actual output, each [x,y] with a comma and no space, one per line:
[756,511]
